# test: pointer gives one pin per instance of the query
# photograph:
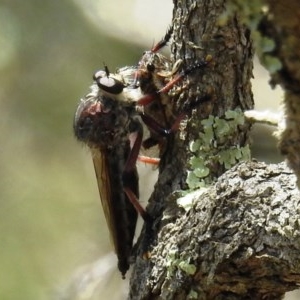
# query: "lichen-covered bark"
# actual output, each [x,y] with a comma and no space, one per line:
[281,24]
[198,32]
[240,239]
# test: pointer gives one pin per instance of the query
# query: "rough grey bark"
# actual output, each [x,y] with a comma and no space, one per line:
[281,25]
[240,239]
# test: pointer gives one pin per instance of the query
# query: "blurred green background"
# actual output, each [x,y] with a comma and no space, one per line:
[54,241]
[50,218]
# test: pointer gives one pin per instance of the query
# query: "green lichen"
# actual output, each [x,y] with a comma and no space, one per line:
[214,147]
[192,295]
[193,181]
[186,201]
[272,63]
[174,263]
[264,47]
[236,115]
[232,156]
[188,268]
[251,13]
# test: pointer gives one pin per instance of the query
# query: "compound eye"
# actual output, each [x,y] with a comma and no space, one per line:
[99,74]
[108,84]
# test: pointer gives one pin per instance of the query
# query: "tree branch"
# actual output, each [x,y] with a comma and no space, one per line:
[281,26]
[240,237]
[239,240]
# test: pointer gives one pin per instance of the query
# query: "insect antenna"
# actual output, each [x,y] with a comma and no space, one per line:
[106,69]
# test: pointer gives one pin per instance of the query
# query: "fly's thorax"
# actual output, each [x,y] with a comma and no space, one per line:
[104,120]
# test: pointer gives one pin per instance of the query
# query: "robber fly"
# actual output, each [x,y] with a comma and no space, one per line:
[110,121]
[108,125]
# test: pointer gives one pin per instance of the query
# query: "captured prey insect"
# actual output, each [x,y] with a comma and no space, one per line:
[110,121]
[156,75]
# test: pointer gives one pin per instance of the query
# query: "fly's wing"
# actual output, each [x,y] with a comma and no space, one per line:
[120,214]
[104,187]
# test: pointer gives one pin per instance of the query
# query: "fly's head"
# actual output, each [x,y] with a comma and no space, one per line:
[108,83]
[103,117]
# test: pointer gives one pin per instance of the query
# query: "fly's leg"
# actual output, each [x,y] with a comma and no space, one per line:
[136,138]
[135,202]
[164,41]
[148,160]
[199,65]
[162,131]
[149,98]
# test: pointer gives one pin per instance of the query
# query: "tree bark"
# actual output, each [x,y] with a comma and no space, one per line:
[239,240]
[281,25]
[234,236]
